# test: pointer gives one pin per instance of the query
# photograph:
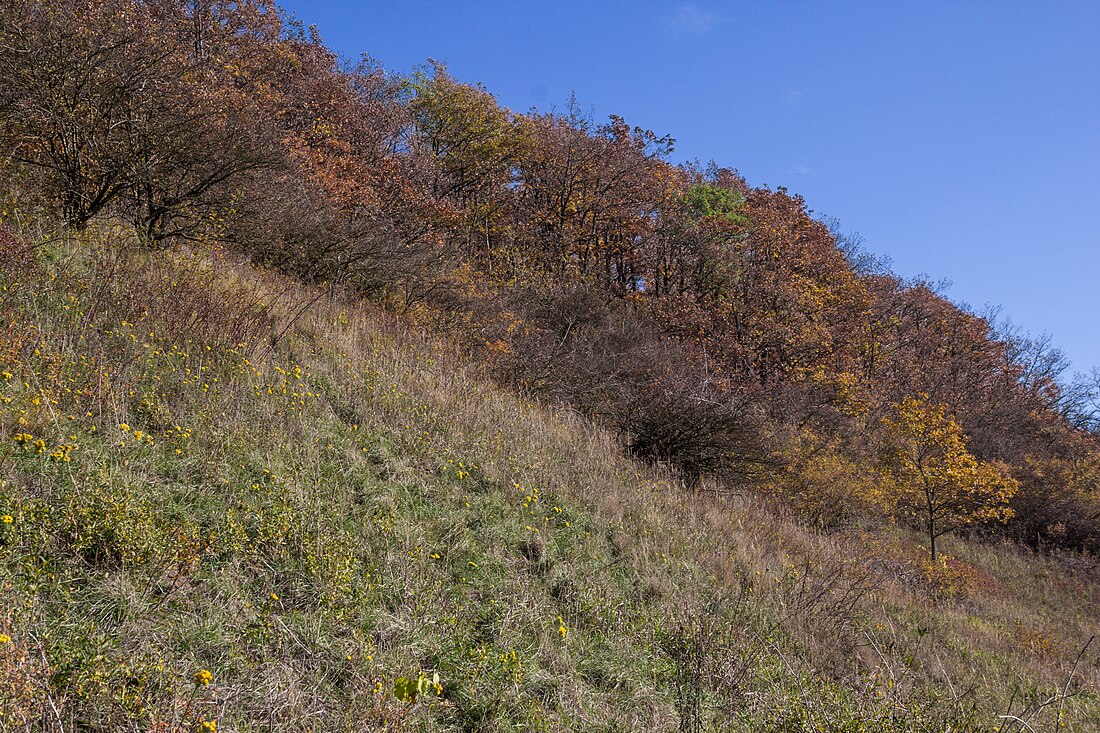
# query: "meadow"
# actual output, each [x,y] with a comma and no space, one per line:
[231,501]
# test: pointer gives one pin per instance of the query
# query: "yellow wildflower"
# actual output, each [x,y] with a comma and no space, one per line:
[62,453]
[203,677]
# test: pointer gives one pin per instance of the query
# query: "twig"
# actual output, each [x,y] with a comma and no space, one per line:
[279,337]
[1014,719]
[1069,681]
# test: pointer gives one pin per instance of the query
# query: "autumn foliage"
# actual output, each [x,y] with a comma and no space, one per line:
[935,479]
[721,328]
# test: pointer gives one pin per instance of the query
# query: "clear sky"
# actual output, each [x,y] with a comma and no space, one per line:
[960,139]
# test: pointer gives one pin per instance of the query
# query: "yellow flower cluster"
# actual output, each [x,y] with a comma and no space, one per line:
[139,436]
[513,664]
[203,677]
[528,499]
[62,453]
[28,441]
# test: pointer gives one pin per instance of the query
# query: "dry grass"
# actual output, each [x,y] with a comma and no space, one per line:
[354,503]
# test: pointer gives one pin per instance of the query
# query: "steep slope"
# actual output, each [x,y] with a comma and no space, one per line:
[233,502]
[725,329]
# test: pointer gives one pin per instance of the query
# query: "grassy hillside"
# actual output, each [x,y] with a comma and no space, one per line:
[233,502]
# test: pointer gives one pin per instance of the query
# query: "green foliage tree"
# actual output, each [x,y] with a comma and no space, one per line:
[705,199]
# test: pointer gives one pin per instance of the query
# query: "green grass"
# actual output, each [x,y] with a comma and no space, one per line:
[324,503]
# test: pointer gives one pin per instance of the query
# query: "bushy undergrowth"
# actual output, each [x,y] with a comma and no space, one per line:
[229,502]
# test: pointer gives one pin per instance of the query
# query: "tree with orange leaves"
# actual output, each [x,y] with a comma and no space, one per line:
[936,481]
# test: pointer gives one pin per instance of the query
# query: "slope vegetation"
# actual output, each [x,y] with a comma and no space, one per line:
[231,501]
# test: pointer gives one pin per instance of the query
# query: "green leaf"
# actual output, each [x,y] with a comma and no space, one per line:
[406,690]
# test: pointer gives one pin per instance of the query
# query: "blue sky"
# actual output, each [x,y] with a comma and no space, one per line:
[960,139]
